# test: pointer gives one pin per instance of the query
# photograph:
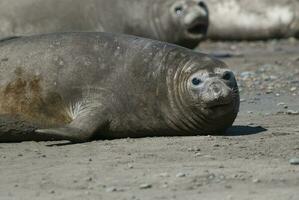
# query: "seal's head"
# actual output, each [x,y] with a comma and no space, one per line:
[190,19]
[204,96]
[183,22]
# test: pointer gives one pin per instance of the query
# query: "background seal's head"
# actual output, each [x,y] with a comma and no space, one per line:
[190,19]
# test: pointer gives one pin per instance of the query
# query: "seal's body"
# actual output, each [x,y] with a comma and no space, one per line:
[175,21]
[253,19]
[76,86]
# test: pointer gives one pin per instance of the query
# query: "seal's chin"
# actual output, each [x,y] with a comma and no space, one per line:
[197,30]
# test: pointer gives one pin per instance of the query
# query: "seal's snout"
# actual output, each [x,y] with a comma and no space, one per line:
[217,91]
[196,19]
[193,16]
[217,94]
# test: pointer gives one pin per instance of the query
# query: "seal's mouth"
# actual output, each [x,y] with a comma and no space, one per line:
[220,105]
[213,107]
[197,30]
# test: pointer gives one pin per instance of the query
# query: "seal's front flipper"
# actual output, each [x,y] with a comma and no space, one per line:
[88,121]
[65,133]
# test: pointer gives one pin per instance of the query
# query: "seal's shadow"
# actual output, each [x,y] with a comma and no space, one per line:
[233,131]
[244,130]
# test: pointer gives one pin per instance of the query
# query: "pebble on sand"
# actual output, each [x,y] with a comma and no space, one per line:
[281,104]
[111,189]
[145,186]
[256,180]
[294,161]
[293,89]
[180,174]
[292,112]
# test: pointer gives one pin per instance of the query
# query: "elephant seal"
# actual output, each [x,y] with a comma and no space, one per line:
[184,22]
[253,19]
[81,86]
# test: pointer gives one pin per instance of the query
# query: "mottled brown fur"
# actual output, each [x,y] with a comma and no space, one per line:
[23,95]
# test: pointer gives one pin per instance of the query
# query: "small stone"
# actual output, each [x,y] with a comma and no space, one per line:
[111,189]
[281,104]
[145,186]
[293,89]
[292,112]
[180,174]
[130,166]
[294,161]
[20,155]
[285,107]
[242,100]
[256,180]
[195,149]
[197,154]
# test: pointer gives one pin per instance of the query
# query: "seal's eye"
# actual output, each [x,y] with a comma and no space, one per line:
[196,81]
[226,76]
[178,10]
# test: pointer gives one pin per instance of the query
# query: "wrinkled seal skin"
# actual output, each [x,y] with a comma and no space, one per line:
[184,22]
[253,19]
[81,86]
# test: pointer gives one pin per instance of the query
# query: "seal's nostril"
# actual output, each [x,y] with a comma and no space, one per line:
[202,4]
[226,76]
